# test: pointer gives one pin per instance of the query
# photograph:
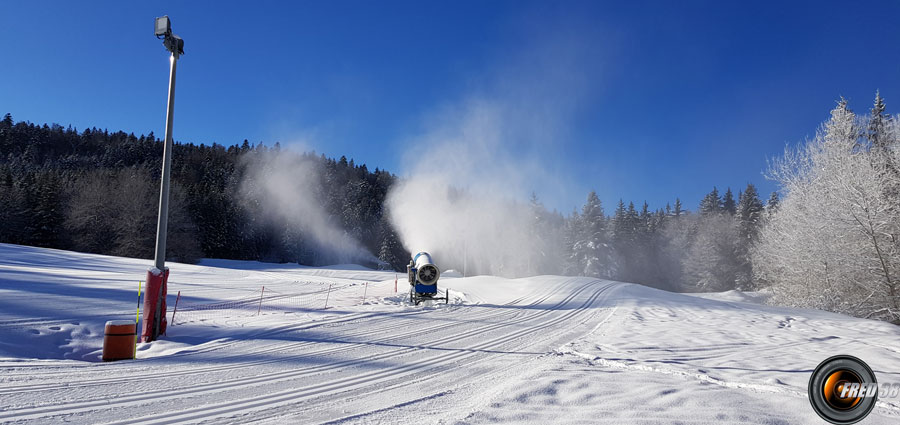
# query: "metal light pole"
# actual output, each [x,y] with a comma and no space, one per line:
[160,258]
[158,276]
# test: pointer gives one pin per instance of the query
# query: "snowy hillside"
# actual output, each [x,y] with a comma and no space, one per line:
[533,350]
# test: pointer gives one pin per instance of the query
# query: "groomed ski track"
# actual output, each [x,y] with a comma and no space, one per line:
[308,371]
[537,350]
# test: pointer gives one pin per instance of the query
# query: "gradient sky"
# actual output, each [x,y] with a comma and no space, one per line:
[638,100]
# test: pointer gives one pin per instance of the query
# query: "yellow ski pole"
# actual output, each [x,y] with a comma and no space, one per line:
[137,333]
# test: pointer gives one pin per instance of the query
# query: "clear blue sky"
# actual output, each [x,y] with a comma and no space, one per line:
[648,100]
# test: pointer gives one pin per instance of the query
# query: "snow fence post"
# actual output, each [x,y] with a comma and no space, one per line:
[327,294]
[178,298]
[365,291]
[260,300]
[137,316]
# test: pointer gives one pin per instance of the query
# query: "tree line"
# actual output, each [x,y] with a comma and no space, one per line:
[669,248]
[831,241]
[98,191]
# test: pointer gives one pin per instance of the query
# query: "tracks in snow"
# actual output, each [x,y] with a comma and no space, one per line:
[496,327]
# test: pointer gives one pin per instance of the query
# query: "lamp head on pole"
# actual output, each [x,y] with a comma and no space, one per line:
[163,26]
[173,43]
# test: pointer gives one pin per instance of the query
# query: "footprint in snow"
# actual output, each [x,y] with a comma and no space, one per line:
[786,323]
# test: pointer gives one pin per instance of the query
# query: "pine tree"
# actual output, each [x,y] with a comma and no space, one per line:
[645,261]
[626,222]
[645,217]
[711,263]
[13,210]
[772,205]
[574,263]
[749,213]
[539,229]
[622,237]
[728,204]
[749,218]
[673,241]
[711,203]
[389,247]
[592,246]
[633,218]
[677,211]
[878,124]
[842,130]
[884,142]
[619,216]
[46,215]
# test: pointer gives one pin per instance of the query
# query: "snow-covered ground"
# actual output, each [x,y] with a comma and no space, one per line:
[545,349]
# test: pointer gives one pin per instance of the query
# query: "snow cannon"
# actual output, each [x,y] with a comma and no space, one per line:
[427,273]
[423,277]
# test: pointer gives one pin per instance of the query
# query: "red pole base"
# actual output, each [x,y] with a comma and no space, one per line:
[156,282]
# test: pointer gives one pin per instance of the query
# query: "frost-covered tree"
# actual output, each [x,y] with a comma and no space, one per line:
[573,264]
[832,244]
[711,263]
[546,228]
[592,246]
[749,213]
[748,220]
[883,141]
[675,237]
[879,124]
[626,226]
[711,203]
[390,246]
[772,204]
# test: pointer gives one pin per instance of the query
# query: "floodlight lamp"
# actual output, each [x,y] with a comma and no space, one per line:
[174,44]
[163,26]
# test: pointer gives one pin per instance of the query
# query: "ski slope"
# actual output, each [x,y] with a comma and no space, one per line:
[538,350]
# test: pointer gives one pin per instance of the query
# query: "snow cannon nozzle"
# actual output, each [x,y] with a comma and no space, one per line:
[422,270]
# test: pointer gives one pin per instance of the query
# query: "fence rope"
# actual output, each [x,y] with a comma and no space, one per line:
[261,302]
